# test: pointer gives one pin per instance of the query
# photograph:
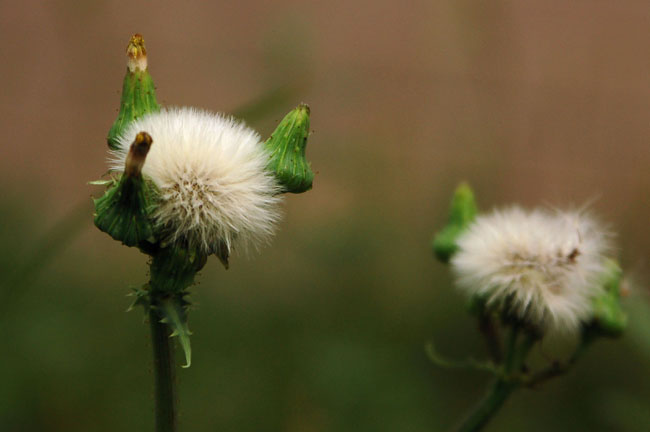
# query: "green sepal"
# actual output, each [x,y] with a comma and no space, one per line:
[138,99]
[173,268]
[286,148]
[103,182]
[124,211]
[461,213]
[609,318]
[223,253]
[173,312]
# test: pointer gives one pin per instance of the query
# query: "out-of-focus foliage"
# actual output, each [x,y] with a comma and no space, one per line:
[303,337]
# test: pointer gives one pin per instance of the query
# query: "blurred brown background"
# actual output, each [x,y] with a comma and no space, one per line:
[540,102]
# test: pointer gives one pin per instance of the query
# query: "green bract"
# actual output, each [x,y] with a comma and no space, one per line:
[461,213]
[286,148]
[124,212]
[609,318]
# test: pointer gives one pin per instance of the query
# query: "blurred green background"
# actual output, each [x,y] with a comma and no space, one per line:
[541,102]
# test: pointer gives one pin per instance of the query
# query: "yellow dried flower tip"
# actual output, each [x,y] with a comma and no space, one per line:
[137,53]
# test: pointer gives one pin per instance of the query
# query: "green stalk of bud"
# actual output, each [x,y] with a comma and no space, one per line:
[138,91]
[124,212]
[609,318]
[286,148]
[461,213]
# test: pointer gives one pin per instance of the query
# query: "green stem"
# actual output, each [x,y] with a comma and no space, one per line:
[485,410]
[502,386]
[165,380]
[490,332]
[557,369]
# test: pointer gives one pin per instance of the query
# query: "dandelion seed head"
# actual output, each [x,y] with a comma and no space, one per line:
[541,266]
[210,172]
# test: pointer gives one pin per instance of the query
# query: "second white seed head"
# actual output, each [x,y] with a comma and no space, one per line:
[210,172]
[540,266]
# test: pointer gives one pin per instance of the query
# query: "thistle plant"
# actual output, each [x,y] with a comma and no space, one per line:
[533,275]
[186,184]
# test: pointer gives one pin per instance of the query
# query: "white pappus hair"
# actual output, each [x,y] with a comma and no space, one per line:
[542,266]
[211,176]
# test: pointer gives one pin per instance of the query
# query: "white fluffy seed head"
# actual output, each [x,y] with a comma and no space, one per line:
[540,266]
[211,175]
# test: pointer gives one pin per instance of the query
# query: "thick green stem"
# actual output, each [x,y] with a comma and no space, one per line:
[485,410]
[557,369]
[165,380]
[489,330]
[503,385]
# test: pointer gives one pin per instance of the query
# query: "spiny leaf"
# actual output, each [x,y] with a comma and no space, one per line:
[173,311]
[141,298]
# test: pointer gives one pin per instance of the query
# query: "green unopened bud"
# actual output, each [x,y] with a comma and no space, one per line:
[461,213]
[124,212]
[609,318]
[286,148]
[138,91]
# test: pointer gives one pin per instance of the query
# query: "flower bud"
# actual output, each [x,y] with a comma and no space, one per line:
[461,213]
[124,210]
[138,91]
[286,148]
[609,318]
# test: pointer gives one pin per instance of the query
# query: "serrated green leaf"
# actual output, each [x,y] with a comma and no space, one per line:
[173,312]
[141,298]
